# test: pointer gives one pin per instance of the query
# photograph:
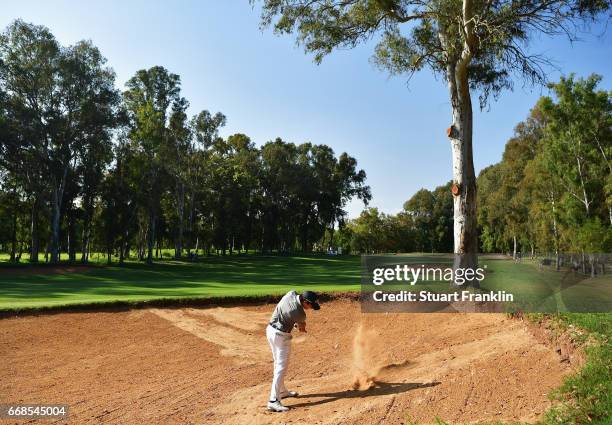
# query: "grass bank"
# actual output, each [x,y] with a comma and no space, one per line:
[586,397]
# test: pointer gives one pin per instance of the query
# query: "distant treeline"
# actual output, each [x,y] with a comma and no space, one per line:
[85,168]
[551,193]
[424,225]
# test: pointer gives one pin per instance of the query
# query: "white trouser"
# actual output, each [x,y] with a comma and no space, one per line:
[280,344]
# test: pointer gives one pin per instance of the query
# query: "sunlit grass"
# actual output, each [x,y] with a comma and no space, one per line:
[25,286]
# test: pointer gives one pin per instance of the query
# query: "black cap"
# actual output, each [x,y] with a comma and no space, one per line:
[311,297]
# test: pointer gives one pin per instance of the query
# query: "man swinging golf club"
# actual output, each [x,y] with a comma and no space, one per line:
[289,312]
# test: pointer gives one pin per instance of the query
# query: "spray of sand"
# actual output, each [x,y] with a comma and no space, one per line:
[371,364]
[364,373]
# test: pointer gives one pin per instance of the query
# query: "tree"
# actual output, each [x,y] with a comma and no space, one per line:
[368,231]
[420,207]
[474,45]
[205,128]
[489,218]
[511,207]
[179,149]
[117,210]
[304,190]
[443,218]
[578,142]
[575,154]
[89,172]
[28,70]
[149,96]
[549,191]
[429,216]
[85,118]
[62,100]
[349,183]
[243,162]
[544,207]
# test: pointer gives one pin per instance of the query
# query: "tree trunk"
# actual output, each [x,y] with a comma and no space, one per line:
[55,227]
[150,237]
[125,249]
[585,197]
[464,200]
[189,237]
[121,252]
[178,251]
[71,240]
[19,253]
[460,134]
[140,251]
[88,208]
[35,244]
[555,232]
[14,233]
[56,204]
[85,235]
[85,243]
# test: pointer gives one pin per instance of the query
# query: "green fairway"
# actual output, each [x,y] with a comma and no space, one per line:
[250,275]
[214,276]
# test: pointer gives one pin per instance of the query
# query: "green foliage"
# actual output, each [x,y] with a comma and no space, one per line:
[306,188]
[425,225]
[577,145]
[436,34]
[85,168]
[475,45]
[549,191]
[60,108]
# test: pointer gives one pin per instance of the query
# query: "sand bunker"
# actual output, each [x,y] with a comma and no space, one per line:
[213,365]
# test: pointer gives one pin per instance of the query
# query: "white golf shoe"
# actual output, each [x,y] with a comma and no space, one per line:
[277,406]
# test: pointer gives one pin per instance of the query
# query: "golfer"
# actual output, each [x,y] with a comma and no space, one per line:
[289,312]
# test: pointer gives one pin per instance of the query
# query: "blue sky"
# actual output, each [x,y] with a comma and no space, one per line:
[267,87]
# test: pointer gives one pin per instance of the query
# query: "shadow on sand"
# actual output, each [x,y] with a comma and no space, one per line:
[381,388]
